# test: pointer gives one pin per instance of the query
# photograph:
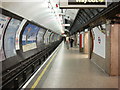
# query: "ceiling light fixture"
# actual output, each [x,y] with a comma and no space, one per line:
[58,17]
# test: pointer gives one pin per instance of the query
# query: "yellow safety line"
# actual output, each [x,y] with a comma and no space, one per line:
[39,78]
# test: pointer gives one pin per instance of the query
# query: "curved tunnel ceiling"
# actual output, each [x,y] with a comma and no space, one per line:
[39,12]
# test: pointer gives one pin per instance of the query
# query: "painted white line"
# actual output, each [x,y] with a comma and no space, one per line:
[39,69]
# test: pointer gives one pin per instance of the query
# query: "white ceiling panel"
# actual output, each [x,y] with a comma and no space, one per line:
[35,11]
[40,13]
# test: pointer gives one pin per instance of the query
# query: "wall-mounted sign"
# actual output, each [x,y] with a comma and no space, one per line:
[99,42]
[83,3]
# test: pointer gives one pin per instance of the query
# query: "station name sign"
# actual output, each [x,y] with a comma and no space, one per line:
[83,3]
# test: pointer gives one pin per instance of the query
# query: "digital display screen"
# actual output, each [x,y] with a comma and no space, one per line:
[3,23]
[10,35]
[29,37]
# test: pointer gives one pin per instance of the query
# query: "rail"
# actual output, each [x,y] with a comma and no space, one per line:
[17,76]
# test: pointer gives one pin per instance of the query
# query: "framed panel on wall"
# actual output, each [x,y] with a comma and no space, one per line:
[10,35]
[99,42]
[29,37]
[3,23]
[40,38]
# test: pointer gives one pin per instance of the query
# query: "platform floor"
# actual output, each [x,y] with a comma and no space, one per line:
[70,69]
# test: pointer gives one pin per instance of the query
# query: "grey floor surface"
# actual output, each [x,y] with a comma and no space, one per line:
[70,69]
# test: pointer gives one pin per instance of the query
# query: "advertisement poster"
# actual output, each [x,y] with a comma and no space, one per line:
[9,40]
[3,22]
[40,38]
[45,37]
[53,37]
[99,42]
[48,38]
[29,37]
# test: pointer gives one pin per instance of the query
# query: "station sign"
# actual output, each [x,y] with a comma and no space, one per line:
[67,4]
